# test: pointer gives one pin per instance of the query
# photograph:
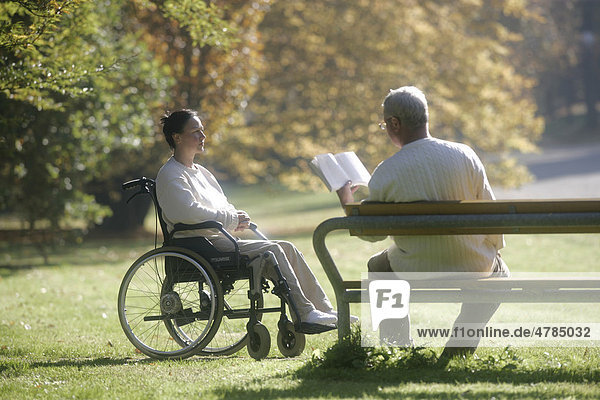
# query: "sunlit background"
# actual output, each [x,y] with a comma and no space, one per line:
[84,83]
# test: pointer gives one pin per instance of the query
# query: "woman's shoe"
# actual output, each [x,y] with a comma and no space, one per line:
[320,318]
[353,318]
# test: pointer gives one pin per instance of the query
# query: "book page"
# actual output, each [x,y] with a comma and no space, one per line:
[314,165]
[334,175]
[354,168]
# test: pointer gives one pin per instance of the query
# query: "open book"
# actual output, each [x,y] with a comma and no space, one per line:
[336,170]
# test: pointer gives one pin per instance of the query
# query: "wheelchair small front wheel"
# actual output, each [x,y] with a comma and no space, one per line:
[290,342]
[259,341]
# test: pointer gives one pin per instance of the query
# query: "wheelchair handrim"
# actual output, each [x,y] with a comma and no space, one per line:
[206,334]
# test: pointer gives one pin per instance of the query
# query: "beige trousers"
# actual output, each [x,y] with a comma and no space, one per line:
[477,315]
[305,290]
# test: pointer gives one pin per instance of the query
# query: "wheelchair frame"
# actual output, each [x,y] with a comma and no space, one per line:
[186,298]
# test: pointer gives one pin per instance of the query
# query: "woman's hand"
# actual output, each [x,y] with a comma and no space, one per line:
[243,220]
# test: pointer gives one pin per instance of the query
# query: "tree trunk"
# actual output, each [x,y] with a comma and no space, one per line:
[126,217]
[588,62]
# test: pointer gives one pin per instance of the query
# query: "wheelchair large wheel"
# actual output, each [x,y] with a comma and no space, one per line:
[170,290]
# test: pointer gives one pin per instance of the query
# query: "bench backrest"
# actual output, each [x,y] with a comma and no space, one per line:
[477,217]
[474,207]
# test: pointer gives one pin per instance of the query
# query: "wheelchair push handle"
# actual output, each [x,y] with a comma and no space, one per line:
[254,228]
[136,182]
[142,182]
[130,184]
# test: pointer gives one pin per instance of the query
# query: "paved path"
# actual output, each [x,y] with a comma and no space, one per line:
[568,171]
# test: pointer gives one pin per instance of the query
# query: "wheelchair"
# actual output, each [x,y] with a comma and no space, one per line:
[186,298]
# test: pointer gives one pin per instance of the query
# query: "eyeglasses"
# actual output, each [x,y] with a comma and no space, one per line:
[383,124]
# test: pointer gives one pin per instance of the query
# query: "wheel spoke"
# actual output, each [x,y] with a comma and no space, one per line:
[140,297]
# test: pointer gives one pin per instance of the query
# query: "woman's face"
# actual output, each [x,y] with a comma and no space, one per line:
[192,138]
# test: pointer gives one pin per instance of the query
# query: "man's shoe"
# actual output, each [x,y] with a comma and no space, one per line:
[452,352]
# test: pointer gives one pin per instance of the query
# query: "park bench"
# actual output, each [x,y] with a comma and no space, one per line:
[458,218]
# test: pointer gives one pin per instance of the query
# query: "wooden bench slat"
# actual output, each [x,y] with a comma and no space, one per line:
[461,207]
[475,231]
[456,296]
[459,224]
[496,283]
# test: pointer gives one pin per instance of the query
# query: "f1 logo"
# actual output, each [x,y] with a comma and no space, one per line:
[389,300]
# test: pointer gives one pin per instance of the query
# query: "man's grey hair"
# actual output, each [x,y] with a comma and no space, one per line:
[408,104]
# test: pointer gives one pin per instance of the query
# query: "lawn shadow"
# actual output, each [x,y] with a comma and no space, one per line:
[90,253]
[17,366]
[90,362]
[416,383]
[109,361]
[8,270]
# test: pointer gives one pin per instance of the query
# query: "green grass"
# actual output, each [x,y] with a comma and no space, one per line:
[60,336]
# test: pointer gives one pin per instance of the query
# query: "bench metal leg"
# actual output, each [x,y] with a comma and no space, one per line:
[343,315]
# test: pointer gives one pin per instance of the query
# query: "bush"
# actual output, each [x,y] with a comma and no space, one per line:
[349,353]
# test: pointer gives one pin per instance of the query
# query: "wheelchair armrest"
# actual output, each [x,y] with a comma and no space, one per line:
[206,225]
[202,225]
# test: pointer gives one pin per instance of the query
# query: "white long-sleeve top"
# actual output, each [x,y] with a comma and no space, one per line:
[431,169]
[190,196]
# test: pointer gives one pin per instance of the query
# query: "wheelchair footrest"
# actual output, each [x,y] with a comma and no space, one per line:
[313,329]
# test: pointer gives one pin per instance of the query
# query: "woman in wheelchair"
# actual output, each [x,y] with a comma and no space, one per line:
[188,193]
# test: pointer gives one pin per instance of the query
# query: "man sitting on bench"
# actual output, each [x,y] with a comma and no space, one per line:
[429,169]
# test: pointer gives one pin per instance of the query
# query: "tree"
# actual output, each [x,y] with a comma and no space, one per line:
[211,52]
[91,79]
[330,63]
[41,70]
[590,60]
[275,84]
[547,54]
[562,53]
[77,88]
[215,77]
[32,67]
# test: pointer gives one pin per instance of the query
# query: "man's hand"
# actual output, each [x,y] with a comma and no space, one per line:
[346,193]
[243,220]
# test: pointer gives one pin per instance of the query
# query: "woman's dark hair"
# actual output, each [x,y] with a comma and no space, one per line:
[173,122]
